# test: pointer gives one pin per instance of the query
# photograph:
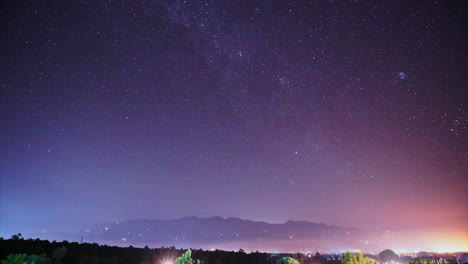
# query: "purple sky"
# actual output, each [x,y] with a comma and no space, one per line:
[343,112]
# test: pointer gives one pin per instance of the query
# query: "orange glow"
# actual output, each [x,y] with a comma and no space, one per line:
[450,243]
[447,242]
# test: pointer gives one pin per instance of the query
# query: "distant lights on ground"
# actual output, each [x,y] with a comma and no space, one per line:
[412,252]
[449,250]
[349,250]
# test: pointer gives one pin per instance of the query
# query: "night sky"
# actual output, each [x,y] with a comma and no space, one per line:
[343,112]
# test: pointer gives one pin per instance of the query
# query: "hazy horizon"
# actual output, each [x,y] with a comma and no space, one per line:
[370,241]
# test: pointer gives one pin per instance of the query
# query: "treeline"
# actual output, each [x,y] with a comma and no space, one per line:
[20,250]
[93,253]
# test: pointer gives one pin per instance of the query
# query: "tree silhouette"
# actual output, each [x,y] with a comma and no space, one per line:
[287,260]
[388,255]
[26,259]
[186,258]
[59,254]
[351,258]
[17,236]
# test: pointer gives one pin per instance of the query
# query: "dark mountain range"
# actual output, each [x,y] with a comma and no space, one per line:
[213,229]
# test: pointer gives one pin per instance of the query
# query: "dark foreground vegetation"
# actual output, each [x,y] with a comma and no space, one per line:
[93,253]
[19,250]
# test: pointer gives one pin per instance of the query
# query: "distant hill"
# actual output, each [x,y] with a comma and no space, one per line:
[214,229]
